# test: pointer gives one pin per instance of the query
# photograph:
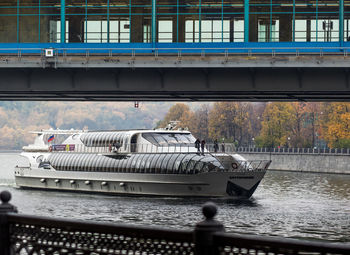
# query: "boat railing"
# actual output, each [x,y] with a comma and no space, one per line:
[110,148]
[26,234]
[245,165]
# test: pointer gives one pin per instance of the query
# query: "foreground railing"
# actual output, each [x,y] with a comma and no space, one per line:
[23,234]
[339,151]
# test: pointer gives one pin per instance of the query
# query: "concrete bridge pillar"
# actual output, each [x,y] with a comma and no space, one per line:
[286,28]
[253,28]
[179,28]
[136,25]
[76,31]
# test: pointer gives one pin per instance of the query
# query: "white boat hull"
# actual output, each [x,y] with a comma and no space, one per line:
[238,184]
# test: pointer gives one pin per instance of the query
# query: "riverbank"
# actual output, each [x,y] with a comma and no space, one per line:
[315,163]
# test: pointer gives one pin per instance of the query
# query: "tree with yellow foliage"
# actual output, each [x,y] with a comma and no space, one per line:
[230,120]
[336,124]
[276,125]
[178,112]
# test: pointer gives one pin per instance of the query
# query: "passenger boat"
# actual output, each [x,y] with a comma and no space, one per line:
[159,162]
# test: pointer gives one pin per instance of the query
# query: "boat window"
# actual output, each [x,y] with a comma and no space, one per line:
[184,163]
[129,164]
[165,163]
[83,162]
[136,163]
[153,163]
[115,165]
[123,164]
[147,160]
[162,139]
[177,163]
[149,137]
[192,163]
[133,143]
[109,163]
[63,162]
[72,162]
[170,164]
[125,141]
[102,164]
[141,165]
[79,161]
[158,167]
[87,162]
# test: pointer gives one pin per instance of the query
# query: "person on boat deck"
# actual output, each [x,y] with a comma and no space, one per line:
[202,146]
[216,145]
[197,145]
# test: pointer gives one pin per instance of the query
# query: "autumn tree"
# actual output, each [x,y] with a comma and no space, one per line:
[336,124]
[179,112]
[230,120]
[276,125]
[200,122]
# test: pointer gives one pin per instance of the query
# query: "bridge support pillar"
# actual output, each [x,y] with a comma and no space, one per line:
[75,29]
[253,28]
[136,25]
[286,22]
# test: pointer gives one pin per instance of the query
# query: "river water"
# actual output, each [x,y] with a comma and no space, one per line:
[286,204]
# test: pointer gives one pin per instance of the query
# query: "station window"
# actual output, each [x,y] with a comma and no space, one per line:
[165,31]
[96,31]
[55,31]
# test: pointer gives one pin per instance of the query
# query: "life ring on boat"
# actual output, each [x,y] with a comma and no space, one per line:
[234,165]
[50,148]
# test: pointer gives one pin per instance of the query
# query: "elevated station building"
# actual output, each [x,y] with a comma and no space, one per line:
[173,21]
[175,49]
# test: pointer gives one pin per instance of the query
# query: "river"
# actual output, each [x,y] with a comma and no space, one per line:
[286,204]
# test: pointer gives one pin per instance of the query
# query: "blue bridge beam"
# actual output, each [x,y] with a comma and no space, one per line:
[63,21]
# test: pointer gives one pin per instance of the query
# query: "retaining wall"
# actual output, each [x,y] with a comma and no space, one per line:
[304,162]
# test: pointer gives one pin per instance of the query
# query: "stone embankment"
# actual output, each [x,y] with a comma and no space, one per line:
[313,162]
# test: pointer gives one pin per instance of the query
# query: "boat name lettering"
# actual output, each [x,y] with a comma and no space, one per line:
[241,177]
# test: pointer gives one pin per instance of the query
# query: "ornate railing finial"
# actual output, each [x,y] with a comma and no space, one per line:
[5,206]
[203,233]
[209,210]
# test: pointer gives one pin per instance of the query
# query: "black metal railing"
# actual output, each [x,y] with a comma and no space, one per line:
[338,151]
[23,234]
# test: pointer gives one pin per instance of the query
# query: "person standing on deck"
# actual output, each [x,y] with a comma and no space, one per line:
[202,146]
[197,145]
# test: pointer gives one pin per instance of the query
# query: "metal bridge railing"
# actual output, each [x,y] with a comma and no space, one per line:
[334,151]
[24,234]
[179,52]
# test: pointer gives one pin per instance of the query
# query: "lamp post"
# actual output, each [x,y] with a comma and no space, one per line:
[288,144]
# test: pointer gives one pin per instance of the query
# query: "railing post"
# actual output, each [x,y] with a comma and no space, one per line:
[5,208]
[203,233]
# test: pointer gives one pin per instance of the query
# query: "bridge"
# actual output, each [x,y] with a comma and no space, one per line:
[174,50]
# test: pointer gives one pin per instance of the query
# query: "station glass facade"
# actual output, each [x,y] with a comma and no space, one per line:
[171,21]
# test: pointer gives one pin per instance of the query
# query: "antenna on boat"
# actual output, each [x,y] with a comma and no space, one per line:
[172,124]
